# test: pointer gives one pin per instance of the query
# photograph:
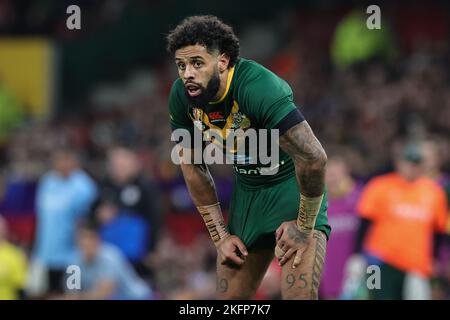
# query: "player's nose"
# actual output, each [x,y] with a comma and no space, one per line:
[189,72]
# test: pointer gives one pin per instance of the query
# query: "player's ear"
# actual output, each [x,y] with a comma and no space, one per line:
[224,61]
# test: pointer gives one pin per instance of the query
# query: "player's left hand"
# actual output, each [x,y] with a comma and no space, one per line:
[231,250]
[291,240]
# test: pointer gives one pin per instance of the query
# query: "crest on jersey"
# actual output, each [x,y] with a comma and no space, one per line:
[196,113]
[240,121]
[197,118]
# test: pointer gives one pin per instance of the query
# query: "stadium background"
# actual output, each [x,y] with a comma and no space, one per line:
[107,85]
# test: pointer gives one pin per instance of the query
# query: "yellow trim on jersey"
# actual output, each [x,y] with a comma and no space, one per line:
[229,79]
[200,115]
[228,124]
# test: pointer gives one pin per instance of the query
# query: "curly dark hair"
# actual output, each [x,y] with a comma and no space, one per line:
[208,31]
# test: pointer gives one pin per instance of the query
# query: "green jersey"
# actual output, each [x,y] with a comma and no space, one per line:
[254,98]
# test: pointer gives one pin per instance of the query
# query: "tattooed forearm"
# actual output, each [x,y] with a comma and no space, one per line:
[309,158]
[311,181]
[319,259]
[200,184]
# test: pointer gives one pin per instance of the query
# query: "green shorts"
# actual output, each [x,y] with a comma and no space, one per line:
[257,212]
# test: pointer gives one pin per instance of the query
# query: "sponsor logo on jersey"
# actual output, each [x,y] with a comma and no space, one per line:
[257,171]
[216,116]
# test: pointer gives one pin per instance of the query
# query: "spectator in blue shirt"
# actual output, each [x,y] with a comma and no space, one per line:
[126,230]
[105,273]
[64,196]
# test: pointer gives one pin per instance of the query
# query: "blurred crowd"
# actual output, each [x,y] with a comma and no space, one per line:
[98,189]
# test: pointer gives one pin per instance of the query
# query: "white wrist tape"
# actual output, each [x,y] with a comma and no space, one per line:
[212,215]
[309,209]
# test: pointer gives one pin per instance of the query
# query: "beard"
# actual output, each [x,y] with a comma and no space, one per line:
[207,94]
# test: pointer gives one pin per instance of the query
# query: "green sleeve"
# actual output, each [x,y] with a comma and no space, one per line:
[267,97]
[178,109]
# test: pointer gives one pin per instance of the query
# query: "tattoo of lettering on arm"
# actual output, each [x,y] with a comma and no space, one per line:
[309,158]
[222,285]
[319,258]
[211,225]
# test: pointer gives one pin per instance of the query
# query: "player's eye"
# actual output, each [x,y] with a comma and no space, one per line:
[198,64]
[181,66]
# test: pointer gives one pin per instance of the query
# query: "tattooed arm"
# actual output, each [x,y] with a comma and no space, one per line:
[310,160]
[203,192]
[200,184]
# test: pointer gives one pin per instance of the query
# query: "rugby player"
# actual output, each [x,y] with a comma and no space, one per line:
[282,214]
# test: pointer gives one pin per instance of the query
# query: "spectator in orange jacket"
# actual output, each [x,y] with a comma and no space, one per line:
[405,209]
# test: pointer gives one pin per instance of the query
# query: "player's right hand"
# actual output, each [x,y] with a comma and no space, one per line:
[231,249]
